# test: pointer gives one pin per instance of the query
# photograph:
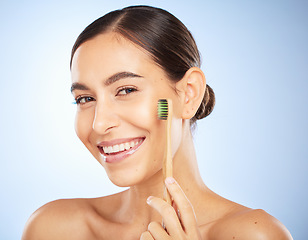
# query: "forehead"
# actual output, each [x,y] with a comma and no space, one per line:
[109,52]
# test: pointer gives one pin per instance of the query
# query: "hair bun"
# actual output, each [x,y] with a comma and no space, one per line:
[207,104]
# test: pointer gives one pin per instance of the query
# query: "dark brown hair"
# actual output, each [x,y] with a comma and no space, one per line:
[162,35]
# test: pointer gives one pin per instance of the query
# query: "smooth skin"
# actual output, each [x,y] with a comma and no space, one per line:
[126,108]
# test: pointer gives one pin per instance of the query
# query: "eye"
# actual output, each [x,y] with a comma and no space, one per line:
[125,91]
[83,99]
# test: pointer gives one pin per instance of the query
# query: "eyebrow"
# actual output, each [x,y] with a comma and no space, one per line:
[78,86]
[112,79]
[120,75]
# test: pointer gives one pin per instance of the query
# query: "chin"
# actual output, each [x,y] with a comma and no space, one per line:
[124,181]
[132,178]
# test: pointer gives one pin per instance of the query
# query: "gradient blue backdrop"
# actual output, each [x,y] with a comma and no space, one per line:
[252,149]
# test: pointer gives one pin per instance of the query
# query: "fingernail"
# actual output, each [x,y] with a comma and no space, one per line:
[169,180]
[149,199]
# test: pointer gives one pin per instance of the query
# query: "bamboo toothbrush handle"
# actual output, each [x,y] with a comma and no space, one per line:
[168,158]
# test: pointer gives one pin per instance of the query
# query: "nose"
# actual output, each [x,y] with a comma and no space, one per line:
[105,118]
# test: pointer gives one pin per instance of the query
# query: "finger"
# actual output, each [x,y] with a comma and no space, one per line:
[177,211]
[157,231]
[168,214]
[186,211]
[146,236]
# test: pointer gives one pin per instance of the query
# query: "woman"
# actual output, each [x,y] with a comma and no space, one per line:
[121,65]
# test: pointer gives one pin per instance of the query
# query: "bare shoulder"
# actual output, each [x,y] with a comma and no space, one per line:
[60,219]
[249,224]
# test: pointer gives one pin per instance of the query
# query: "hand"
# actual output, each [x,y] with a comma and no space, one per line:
[179,219]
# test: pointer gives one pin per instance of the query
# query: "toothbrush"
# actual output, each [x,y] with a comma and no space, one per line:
[164,112]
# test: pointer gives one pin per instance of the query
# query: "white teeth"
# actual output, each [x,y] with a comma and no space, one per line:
[121,147]
[127,146]
[116,148]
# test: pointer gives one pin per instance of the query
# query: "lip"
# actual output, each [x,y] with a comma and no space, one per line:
[114,158]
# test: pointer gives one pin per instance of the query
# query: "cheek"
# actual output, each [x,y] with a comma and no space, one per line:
[83,124]
[142,113]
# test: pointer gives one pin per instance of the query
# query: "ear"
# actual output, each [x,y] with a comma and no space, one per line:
[192,86]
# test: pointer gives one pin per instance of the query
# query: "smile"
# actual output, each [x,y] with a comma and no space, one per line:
[117,150]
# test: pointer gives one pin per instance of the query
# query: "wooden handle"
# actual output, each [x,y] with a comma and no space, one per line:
[167,166]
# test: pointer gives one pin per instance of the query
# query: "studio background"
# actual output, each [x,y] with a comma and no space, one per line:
[252,149]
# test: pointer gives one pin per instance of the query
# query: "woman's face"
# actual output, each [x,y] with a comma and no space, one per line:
[116,86]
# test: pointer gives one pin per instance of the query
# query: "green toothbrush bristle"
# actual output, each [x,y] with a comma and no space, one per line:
[162,109]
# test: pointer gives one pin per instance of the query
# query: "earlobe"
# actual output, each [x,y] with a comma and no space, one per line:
[193,85]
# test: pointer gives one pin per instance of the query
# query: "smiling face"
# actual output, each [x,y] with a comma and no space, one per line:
[117,86]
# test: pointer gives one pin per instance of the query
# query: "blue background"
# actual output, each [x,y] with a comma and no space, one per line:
[252,149]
